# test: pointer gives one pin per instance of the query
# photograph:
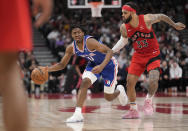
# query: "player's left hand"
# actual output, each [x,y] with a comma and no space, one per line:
[179,26]
[97,69]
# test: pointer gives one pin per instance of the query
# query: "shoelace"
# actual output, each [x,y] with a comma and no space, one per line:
[148,103]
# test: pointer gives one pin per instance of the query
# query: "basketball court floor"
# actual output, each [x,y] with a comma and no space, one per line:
[49,111]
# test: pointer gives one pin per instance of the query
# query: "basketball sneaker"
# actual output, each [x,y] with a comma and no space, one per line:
[148,107]
[76,126]
[76,117]
[131,114]
[122,96]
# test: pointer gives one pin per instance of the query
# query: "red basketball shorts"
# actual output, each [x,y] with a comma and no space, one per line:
[140,63]
[15,26]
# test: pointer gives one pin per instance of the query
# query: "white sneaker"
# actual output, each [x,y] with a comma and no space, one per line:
[76,117]
[122,96]
[76,126]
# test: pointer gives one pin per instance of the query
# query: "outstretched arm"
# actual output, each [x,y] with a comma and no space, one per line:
[64,61]
[154,18]
[123,40]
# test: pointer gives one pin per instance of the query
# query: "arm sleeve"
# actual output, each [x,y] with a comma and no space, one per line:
[120,44]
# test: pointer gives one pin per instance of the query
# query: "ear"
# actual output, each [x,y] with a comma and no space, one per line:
[132,13]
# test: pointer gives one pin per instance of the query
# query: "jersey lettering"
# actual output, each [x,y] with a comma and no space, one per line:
[90,58]
[142,43]
[138,34]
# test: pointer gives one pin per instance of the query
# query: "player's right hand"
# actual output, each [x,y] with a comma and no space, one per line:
[45,6]
[179,26]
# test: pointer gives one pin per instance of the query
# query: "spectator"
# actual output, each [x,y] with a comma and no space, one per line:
[186,11]
[164,78]
[184,66]
[175,75]
[52,37]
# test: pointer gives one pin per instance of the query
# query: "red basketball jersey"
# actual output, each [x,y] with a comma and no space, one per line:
[15,26]
[143,39]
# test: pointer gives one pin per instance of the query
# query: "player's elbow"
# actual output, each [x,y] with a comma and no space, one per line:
[110,51]
[61,66]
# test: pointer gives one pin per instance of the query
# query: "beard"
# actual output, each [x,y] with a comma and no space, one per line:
[127,20]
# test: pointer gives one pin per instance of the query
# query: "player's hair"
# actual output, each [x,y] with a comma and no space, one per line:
[133,5]
[80,26]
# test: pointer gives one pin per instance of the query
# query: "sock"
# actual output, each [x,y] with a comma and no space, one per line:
[78,110]
[149,97]
[133,105]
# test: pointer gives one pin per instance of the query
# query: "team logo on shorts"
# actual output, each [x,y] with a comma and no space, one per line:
[107,82]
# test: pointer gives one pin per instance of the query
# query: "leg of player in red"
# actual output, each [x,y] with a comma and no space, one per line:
[153,69]
[135,70]
[15,35]
[15,110]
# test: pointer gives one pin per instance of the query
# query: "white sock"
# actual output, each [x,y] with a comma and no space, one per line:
[133,105]
[149,97]
[78,110]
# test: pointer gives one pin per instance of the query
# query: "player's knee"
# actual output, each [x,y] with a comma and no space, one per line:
[131,80]
[108,97]
[86,83]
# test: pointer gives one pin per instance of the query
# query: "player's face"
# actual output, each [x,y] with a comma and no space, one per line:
[77,34]
[126,16]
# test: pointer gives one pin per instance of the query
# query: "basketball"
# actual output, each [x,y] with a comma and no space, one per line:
[39,75]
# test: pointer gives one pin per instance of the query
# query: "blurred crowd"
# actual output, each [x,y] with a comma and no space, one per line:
[174,49]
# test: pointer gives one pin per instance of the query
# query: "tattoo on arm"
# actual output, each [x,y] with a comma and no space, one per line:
[123,31]
[160,17]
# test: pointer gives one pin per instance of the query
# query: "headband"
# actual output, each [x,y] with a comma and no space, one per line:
[128,8]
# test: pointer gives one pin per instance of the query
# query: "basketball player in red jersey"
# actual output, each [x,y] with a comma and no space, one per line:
[138,28]
[15,35]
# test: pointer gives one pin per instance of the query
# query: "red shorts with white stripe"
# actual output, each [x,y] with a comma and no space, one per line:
[15,26]
[141,62]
